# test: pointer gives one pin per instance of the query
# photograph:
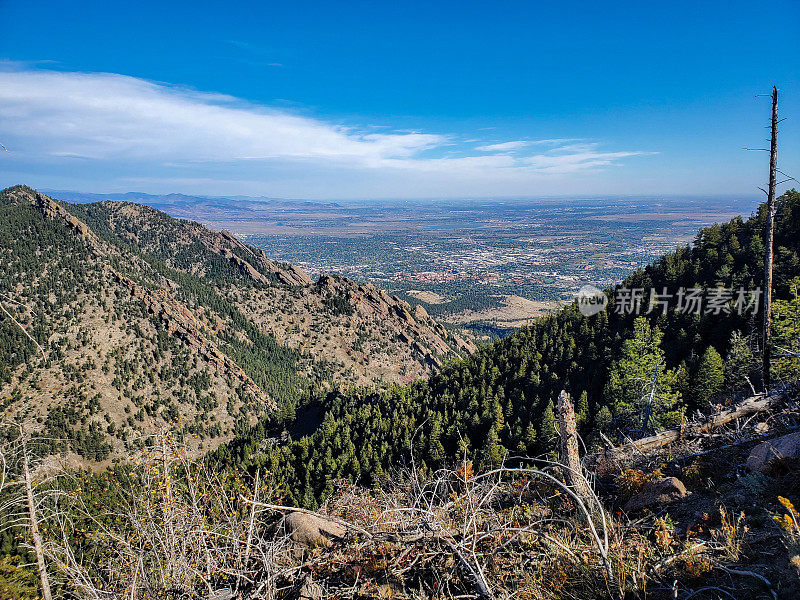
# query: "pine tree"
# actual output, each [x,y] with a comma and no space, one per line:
[786,334]
[602,423]
[494,451]
[530,437]
[709,377]
[603,420]
[435,448]
[548,440]
[630,384]
[740,364]
[582,409]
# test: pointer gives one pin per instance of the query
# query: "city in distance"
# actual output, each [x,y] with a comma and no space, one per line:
[489,265]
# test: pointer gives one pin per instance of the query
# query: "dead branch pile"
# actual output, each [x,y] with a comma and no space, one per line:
[694,433]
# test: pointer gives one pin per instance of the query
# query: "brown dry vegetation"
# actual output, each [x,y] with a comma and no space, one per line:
[143,321]
[178,529]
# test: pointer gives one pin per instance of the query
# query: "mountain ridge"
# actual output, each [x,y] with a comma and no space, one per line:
[146,322]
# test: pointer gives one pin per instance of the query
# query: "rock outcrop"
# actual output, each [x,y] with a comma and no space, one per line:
[310,530]
[657,493]
[227,244]
[415,327]
[766,454]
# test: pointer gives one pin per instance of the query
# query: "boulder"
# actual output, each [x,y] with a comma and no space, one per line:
[420,314]
[657,493]
[310,530]
[765,454]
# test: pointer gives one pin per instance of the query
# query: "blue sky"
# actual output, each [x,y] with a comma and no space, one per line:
[379,99]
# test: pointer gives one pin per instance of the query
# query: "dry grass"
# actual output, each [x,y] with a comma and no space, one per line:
[181,531]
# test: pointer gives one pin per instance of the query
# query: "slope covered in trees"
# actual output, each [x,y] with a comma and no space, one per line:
[499,401]
[118,321]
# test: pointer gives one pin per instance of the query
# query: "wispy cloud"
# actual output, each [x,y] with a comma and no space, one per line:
[504,146]
[107,116]
[103,118]
[520,144]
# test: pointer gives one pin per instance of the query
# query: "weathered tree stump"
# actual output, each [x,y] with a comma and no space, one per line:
[569,449]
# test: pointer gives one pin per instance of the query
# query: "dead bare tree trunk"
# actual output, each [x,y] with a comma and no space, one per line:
[34,524]
[250,526]
[769,234]
[569,448]
[649,406]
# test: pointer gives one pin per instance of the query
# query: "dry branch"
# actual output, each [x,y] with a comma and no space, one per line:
[749,406]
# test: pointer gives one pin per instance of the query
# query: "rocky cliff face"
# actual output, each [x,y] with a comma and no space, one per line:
[361,334]
[147,322]
[413,325]
[287,274]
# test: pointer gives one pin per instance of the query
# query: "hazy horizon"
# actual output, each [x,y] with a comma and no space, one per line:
[91,196]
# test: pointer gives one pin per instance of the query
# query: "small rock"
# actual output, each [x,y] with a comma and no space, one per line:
[657,493]
[762,428]
[765,454]
[310,530]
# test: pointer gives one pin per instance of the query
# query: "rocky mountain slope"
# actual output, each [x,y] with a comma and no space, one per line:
[118,321]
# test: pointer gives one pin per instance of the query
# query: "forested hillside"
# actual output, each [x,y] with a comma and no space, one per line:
[119,321]
[500,401]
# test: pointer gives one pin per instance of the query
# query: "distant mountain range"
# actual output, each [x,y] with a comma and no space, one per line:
[188,206]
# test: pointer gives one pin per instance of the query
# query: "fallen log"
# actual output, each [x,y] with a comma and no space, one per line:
[752,405]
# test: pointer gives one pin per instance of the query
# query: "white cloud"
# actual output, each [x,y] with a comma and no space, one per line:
[520,144]
[567,159]
[115,120]
[504,146]
[102,116]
